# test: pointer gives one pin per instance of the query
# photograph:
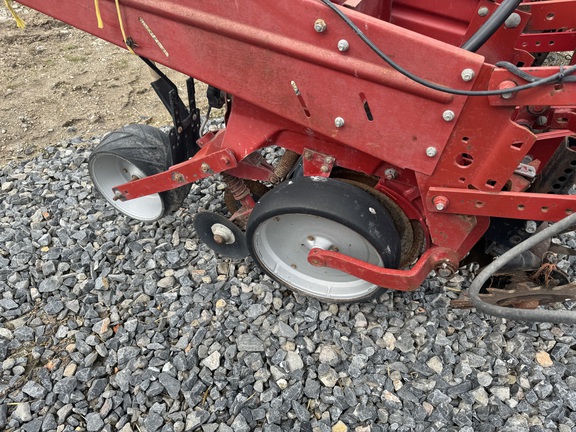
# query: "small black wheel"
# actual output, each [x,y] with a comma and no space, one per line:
[315,212]
[220,235]
[135,151]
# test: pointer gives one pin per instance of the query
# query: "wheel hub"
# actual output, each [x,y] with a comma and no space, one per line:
[319,242]
[220,234]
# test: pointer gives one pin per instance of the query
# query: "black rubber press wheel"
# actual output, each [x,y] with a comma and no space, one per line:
[314,212]
[135,151]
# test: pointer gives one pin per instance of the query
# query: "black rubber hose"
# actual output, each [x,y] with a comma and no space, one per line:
[537,315]
[491,25]
[529,77]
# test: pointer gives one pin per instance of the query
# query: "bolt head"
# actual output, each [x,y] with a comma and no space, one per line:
[513,21]
[483,11]
[440,202]
[507,84]
[444,272]
[542,120]
[339,122]
[431,152]
[320,25]
[178,177]
[467,74]
[390,174]
[531,227]
[448,115]
[343,45]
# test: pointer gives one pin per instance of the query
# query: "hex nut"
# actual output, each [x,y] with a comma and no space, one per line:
[448,115]
[507,84]
[320,25]
[390,174]
[440,202]
[343,45]
[531,227]
[467,74]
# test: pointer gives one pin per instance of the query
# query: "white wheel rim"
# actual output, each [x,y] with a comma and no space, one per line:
[109,170]
[282,244]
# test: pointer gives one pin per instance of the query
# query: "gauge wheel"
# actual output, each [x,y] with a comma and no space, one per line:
[316,212]
[134,152]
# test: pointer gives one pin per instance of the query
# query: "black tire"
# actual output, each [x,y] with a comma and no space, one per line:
[309,212]
[141,150]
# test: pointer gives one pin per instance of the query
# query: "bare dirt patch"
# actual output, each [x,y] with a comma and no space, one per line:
[58,82]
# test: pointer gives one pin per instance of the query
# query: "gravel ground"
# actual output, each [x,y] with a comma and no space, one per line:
[111,324]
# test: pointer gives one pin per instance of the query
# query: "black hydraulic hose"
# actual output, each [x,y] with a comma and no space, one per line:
[537,315]
[491,25]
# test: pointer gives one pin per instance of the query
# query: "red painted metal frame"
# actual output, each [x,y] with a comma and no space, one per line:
[515,205]
[547,42]
[423,18]
[209,160]
[502,43]
[554,95]
[550,15]
[291,82]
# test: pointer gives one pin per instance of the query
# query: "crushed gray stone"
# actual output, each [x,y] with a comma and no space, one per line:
[108,324]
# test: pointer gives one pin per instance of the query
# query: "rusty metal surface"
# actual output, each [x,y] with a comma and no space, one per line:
[523,290]
[529,296]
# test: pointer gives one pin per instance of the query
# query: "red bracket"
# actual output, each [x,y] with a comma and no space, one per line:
[401,280]
[209,160]
[515,205]
[547,42]
[317,164]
